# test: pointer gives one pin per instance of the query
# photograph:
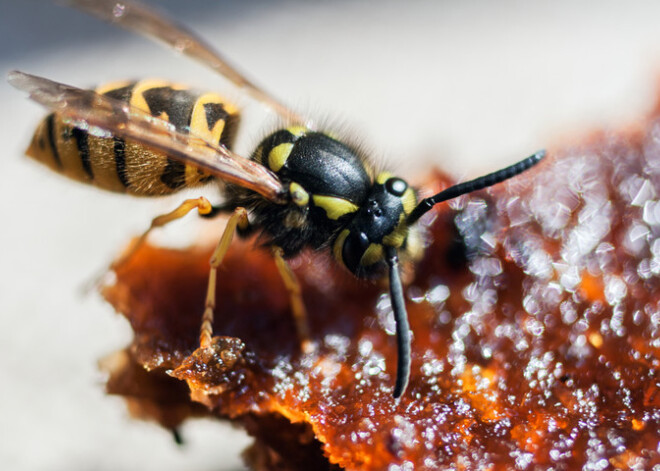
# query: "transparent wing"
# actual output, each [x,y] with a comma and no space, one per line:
[147,22]
[104,117]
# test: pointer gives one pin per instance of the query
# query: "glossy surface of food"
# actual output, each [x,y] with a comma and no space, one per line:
[536,331]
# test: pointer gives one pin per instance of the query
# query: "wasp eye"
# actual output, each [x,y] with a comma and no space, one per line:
[354,247]
[396,186]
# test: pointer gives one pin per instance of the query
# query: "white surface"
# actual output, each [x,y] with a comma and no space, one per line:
[466,85]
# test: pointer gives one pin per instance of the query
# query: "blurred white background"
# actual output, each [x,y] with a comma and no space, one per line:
[467,86]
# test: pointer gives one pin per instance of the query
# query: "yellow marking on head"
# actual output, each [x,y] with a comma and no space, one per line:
[298,194]
[339,245]
[373,254]
[297,131]
[278,155]
[383,177]
[334,207]
[108,87]
[409,200]
[414,245]
[397,237]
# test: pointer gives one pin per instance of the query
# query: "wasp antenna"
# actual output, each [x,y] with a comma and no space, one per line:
[474,185]
[401,321]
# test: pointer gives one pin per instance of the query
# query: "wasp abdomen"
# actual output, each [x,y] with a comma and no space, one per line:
[116,164]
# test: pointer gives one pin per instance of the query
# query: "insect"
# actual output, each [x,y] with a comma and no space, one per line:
[301,188]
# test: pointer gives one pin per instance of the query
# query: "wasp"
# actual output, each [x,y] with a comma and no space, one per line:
[301,188]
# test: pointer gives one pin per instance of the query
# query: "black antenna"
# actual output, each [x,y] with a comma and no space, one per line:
[474,185]
[401,322]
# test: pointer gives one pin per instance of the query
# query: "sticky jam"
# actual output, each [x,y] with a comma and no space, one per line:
[536,332]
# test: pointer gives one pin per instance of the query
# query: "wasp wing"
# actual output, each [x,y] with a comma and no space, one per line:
[104,117]
[140,19]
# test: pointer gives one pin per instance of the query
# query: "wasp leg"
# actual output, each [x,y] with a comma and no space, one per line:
[295,295]
[239,219]
[229,208]
[202,205]
[218,209]
[176,435]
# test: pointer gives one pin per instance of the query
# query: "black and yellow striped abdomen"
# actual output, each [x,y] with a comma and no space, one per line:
[115,164]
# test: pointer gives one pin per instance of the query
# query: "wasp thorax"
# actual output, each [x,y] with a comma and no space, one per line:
[326,181]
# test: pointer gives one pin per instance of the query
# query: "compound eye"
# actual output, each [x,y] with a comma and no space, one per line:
[355,245]
[396,186]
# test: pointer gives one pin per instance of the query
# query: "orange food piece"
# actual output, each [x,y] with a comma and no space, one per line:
[535,333]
